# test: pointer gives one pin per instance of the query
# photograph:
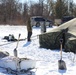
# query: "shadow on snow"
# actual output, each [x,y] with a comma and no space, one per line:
[28,43]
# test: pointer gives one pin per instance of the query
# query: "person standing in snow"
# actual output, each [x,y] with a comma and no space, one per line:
[29,29]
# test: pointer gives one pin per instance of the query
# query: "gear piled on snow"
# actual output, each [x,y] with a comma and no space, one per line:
[10,38]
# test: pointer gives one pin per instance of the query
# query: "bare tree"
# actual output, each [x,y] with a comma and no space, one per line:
[36,10]
[74,10]
[10,10]
[61,8]
[70,7]
[51,8]
[14,12]
[25,12]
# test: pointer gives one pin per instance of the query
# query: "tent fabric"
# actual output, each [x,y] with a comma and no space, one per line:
[67,31]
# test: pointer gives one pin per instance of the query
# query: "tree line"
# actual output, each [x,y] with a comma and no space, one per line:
[15,13]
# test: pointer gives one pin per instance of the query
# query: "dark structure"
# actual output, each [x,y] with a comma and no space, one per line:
[67,31]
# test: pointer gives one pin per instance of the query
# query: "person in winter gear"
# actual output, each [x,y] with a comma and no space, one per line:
[29,29]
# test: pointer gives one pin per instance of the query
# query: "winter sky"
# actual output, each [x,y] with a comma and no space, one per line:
[36,0]
[28,0]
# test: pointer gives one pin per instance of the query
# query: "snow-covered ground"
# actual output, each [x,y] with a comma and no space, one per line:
[47,60]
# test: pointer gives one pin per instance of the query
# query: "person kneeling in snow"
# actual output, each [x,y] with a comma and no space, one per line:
[29,29]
